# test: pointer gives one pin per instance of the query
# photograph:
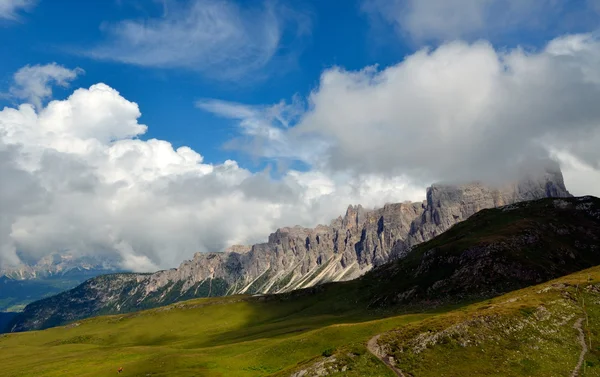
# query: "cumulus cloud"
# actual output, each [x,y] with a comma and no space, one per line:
[9,9]
[34,83]
[216,36]
[457,113]
[77,179]
[440,20]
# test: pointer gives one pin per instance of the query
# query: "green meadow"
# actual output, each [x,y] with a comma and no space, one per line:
[256,336]
[232,336]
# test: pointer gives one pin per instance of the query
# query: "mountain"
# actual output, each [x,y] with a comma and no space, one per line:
[25,283]
[494,251]
[431,313]
[129,292]
[544,330]
[297,257]
[55,265]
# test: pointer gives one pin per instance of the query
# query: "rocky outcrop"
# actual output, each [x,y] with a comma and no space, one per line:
[447,205]
[298,257]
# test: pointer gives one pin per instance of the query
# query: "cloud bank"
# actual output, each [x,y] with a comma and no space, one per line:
[77,179]
[459,112]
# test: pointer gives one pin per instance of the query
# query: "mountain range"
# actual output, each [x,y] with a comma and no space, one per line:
[28,282]
[294,258]
[55,265]
[442,310]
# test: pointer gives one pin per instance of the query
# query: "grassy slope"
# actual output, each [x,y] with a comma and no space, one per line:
[231,336]
[524,333]
[239,336]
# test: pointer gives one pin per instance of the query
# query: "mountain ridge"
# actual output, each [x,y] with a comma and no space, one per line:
[297,257]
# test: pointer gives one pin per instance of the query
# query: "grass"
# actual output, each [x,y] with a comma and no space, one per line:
[233,336]
[250,336]
[524,333]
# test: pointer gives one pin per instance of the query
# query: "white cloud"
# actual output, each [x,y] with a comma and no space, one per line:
[215,36]
[442,20]
[34,83]
[9,9]
[582,178]
[263,130]
[459,112]
[76,179]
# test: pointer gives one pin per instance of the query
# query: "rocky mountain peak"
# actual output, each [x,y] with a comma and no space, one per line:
[354,217]
[298,257]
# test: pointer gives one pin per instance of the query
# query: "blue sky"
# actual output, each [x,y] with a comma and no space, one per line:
[60,31]
[144,131]
[346,36]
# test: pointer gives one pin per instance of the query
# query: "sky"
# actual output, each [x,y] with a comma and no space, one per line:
[144,131]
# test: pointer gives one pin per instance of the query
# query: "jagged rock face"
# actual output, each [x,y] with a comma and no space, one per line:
[300,257]
[351,245]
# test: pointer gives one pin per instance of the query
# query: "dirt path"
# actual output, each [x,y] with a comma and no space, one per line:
[374,348]
[584,347]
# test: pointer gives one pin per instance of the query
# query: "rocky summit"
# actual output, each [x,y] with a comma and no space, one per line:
[297,257]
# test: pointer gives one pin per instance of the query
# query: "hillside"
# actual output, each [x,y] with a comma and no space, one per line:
[524,333]
[294,258]
[15,294]
[546,330]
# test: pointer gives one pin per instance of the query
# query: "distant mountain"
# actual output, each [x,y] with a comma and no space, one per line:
[22,284]
[293,258]
[55,265]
